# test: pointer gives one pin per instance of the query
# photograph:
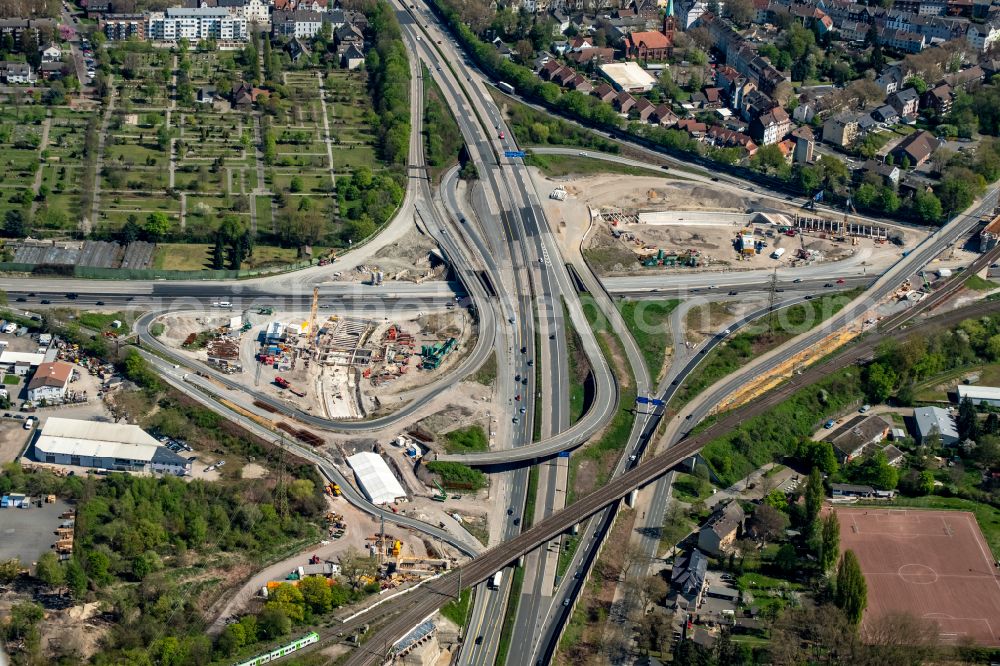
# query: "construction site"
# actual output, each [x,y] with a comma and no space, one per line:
[336,366]
[727,240]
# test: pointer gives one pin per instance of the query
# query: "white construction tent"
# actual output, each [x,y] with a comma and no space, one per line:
[377,481]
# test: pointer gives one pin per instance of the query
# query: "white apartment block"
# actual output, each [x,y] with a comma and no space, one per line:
[196,24]
[981,37]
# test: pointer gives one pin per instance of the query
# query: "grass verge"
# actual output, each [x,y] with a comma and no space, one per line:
[977,283]
[466,440]
[487,372]
[458,610]
[758,339]
[557,166]
[579,369]
[503,648]
[648,321]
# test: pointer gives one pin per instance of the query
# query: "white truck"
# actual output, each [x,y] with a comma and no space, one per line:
[944,272]
[777,253]
[495,581]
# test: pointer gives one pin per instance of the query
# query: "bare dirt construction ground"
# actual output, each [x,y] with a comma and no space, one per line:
[408,259]
[634,194]
[933,564]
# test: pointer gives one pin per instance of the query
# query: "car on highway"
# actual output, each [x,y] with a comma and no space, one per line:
[524,409]
[565,602]
[46,301]
[516,420]
[479,640]
[21,299]
[525,381]
[714,179]
[733,292]
[632,458]
[501,136]
[71,296]
[583,154]
[809,297]
[840,280]
[99,303]
[510,512]
[796,280]
[828,284]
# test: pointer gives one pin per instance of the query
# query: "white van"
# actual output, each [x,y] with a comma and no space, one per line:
[29,423]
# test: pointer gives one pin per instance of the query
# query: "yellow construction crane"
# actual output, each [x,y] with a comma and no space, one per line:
[313,333]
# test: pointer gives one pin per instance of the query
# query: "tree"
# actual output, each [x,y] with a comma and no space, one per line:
[927,207]
[76,578]
[49,570]
[814,494]
[288,599]
[232,639]
[967,422]
[157,226]
[9,570]
[852,590]
[354,567]
[829,542]
[295,185]
[316,594]
[14,224]
[128,405]
[767,522]
[273,623]
[740,11]
[880,380]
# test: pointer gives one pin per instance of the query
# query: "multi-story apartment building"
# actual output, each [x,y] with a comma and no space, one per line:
[119,27]
[196,24]
[301,24]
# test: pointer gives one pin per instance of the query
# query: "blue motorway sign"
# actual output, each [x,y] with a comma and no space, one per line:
[514,153]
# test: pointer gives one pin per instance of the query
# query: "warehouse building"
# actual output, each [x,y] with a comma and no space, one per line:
[627,77]
[934,420]
[376,480]
[112,446]
[980,395]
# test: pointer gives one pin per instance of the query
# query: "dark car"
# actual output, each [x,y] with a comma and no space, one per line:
[714,179]
[733,292]
[828,284]
[99,303]
[517,521]
[71,296]
[21,299]
[479,640]
[46,301]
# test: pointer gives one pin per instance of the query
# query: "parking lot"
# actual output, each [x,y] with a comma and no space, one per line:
[28,533]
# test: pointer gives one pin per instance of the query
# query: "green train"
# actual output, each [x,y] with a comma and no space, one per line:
[281,651]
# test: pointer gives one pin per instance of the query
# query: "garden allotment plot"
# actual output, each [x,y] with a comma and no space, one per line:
[932,564]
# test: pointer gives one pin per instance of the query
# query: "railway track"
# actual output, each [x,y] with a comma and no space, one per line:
[417,606]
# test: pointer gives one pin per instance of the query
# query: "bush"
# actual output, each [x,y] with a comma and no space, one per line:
[458,476]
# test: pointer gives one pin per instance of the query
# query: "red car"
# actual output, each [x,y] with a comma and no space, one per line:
[840,281]
[501,135]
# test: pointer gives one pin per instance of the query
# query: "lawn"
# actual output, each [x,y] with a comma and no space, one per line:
[457,610]
[977,283]
[690,488]
[466,440]
[181,257]
[100,321]
[11,380]
[649,323]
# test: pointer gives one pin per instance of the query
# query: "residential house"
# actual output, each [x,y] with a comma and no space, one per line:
[688,578]
[866,124]
[581,84]
[689,12]
[51,53]
[581,44]
[605,92]
[624,102]
[206,95]
[724,137]
[804,145]
[17,27]
[718,536]
[853,31]
[887,173]
[754,103]
[564,76]
[692,127]
[938,98]
[905,102]
[713,98]
[644,109]
[301,24]
[597,55]
[851,439]
[664,115]
[50,382]
[966,78]
[297,49]
[52,70]
[982,37]
[916,148]
[647,9]
[243,95]
[841,130]
[770,127]
[549,70]
[348,34]
[176,23]
[890,80]
[902,40]
[647,46]
[893,456]
[17,73]
[886,115]
[336,18]
[804,113]
[930,421]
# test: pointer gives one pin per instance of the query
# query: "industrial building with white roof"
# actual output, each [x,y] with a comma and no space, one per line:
[111,446]
[377,481]
[979,395]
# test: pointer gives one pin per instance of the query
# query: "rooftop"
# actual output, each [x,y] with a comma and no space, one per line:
[628,75]
[375,478]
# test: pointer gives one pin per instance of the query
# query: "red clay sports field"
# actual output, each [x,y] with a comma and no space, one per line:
[932,564]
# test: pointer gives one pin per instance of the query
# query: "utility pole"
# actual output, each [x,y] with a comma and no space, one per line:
[770,302]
